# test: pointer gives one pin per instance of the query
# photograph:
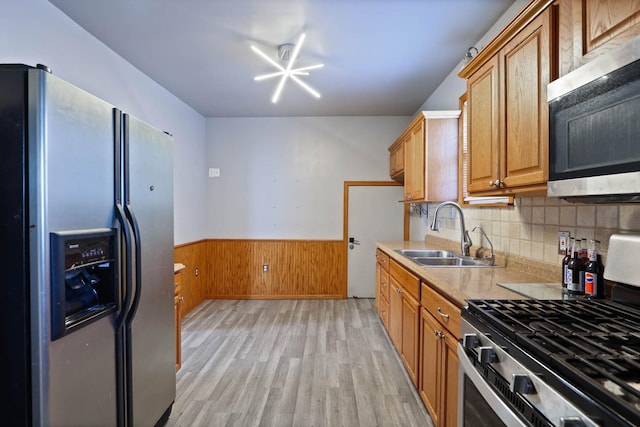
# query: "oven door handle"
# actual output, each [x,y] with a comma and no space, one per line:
[498,406]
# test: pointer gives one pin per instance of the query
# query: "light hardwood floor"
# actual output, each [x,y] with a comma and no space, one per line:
[291,363]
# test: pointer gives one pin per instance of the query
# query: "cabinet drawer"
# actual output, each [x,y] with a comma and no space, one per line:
[383,311]
[409,282]
[384,284]
[445,312]
[382,259]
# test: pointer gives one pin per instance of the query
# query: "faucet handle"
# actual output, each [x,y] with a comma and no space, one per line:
[467,243]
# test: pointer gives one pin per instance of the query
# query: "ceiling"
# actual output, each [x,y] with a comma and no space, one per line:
[382,57]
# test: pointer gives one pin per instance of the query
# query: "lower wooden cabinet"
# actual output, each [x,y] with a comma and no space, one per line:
[438,385]
[410,336]
[404,316]
[382,286]
[424,326]
[395,314]
[177,299]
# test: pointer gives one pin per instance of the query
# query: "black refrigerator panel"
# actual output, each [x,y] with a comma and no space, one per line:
[15,383]
[84,277]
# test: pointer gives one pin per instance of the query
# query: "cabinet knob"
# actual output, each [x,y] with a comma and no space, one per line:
[438,334]
[495,183]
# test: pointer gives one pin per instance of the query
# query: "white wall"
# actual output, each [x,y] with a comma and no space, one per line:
[283,177]
[445,97]
[35,31]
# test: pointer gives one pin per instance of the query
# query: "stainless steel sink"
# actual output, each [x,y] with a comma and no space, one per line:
[426,253]
[452,262]
[438,258]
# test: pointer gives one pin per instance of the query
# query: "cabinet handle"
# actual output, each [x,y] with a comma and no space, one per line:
[445,315]
[181,298]
[399,290]
[497,183]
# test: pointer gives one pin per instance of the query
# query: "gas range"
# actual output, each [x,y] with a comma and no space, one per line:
[553,362]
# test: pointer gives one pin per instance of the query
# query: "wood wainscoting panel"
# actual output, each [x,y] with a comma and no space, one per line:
[295,269]
[194,277]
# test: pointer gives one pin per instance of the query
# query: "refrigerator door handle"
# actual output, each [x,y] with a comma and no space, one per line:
[126,301]
[121,362]
[138,264]
[132,312]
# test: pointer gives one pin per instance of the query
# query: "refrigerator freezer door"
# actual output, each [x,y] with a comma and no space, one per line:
[149,195]
[71,175]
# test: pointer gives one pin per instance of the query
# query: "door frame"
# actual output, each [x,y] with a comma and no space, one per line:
[345,221]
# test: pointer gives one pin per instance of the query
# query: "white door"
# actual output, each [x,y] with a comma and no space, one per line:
[375,214]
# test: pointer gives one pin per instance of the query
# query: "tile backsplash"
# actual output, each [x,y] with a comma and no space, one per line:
[530,228]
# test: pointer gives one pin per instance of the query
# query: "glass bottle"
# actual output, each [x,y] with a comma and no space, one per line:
[582,255]
[574,268]
[594,270]
[565,261]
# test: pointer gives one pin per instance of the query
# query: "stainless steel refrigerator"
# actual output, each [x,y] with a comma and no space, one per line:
[86,222]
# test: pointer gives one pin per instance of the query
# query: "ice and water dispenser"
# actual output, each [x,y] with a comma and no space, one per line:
[84,274]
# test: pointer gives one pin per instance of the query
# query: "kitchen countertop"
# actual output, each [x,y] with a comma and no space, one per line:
[460,283]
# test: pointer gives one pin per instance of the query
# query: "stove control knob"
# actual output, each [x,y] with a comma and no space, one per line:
[521,383]
[470,341]
[486,355]
[571,422]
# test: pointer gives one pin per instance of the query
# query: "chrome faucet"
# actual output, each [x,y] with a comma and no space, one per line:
[491,258]
[465,240]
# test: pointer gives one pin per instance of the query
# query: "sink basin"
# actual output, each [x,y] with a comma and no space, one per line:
[426,253]
[438,258]
[451,262]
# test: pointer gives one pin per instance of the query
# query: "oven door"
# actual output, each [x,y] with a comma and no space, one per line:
[478,404]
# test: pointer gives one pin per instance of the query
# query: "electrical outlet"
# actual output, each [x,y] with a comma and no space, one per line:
[265,268]
[214,172]
[563,242]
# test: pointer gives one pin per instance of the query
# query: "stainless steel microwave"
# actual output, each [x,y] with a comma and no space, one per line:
[594,129]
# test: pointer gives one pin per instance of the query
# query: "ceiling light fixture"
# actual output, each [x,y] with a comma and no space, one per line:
[285,55]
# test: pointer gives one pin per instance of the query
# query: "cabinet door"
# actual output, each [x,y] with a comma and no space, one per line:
[410,337]
[414,163]
[395,314]
[449,375]
[524,113]
[178,325]
[378,288]
[483,135]
[590,28]
[396,160]
[430,353]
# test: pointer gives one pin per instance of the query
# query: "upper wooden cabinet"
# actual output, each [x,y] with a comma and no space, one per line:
[507,106]
[396,160]
[430,163]
[589,28]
